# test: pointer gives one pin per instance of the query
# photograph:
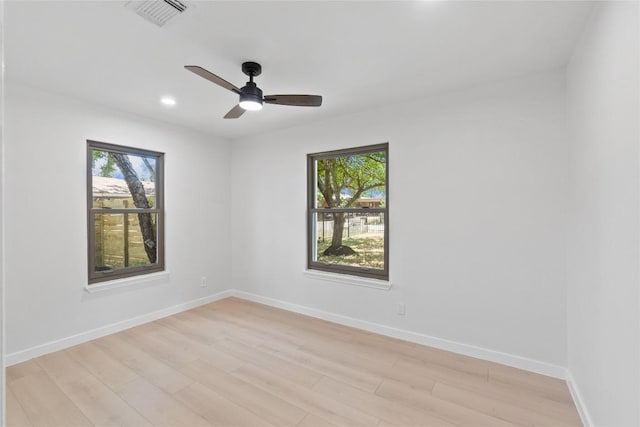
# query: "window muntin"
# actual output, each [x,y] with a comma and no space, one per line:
[348,211]
[125,211]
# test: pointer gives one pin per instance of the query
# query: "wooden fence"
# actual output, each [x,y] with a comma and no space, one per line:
[119,241]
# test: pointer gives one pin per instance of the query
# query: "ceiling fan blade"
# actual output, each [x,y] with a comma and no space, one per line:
[296,100]
[212,77]
[235,112]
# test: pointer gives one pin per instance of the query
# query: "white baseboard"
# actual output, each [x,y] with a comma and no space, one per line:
[39,350]
[579,401]
[443,344]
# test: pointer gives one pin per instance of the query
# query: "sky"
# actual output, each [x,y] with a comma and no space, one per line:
[136,162]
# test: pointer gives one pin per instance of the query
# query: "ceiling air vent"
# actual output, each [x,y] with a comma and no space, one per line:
[158,11]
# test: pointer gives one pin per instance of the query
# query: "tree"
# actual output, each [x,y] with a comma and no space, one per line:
[140,201]
[341,182]
[150,168]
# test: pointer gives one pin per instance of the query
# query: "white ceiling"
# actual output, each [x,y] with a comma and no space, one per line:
[357,54]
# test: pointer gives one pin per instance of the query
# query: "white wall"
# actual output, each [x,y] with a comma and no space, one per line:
[602,273]
[45,216]
[477,205]
[2,334]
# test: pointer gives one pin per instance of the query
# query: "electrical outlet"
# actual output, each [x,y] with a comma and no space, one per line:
[203,281]
[401,309]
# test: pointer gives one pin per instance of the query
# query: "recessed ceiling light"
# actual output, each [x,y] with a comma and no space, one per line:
[169,101]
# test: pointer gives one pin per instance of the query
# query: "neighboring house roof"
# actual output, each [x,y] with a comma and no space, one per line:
[116,187]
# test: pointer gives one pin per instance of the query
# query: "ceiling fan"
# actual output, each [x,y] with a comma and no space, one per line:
[251,95]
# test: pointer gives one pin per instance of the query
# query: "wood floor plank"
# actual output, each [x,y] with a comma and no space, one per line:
[196,350]
[23,369]
[501,409]
[380,407]
[401,391]
[367,366]
[350,353]
[230,329]
[45,404]
[159,407]
[309,332]
[459,362]
[143,364]
[217,325]
[271,407]
[216,409]
[450,411]
[146,337]
[352,374]
[304,398]
[258,356]
[191,326]
[313,326]
[247,327]
[96,401]
[313,421]
[380,342]
[499,392]
[341,354]
[384,352]
[259,326]
[551,388]
[105,367]
[16,417]
[436,371]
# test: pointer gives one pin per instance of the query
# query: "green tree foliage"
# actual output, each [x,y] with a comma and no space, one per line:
[105,164]
[342,181]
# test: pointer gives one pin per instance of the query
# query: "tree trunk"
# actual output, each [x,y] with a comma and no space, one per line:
[152,172]
[338,229]
[336,247]
[140,201]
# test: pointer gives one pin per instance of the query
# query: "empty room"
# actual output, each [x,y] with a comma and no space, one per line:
[320,213]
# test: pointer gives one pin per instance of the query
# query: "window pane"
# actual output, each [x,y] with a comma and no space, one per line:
[121,181]
[120,240]
[354,181]
[362,239]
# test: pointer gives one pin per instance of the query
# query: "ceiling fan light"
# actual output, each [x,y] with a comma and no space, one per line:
[168,101]
[251,105]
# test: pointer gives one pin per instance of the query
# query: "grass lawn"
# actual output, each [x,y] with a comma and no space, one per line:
[369,251]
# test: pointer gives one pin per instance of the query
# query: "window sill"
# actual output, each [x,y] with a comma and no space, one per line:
[349,279]
[128,282]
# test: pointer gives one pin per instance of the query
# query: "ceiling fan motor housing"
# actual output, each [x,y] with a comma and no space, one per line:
[251,92]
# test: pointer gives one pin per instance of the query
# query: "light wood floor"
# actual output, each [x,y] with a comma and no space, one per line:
[237,363]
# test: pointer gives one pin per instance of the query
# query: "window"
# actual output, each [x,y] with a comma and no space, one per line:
[125,209]
[348,211]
